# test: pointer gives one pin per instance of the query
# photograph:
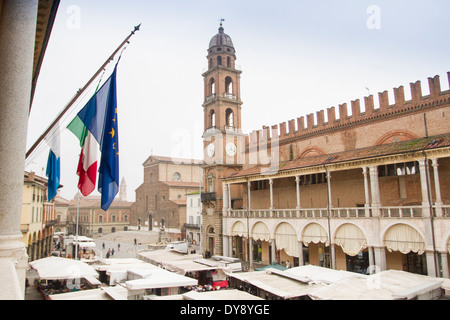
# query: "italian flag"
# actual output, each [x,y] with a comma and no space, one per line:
[87,163]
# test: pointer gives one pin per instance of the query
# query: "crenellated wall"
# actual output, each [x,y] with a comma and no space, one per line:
[360,128]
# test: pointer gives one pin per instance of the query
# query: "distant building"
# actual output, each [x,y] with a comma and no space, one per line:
[193,219]
[160,199]
[37,218]
[61,213]
[93,221]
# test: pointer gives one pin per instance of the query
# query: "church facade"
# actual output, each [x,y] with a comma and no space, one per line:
[365,189]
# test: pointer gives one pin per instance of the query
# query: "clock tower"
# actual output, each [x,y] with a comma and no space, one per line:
[223,140]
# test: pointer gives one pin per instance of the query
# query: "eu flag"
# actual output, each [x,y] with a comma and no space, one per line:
[108,179]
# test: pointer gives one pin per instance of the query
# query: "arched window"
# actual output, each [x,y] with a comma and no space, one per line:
[228,62]
[176,176]
[229,118]
[212,87]
[212,118]
[228,85]
[219,60]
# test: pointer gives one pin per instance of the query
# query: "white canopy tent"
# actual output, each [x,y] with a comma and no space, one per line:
[316,274]
[386,285]
[56,268]
[104,293]
[160,278]
[274,283]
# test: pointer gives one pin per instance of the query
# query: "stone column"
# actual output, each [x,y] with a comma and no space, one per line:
[371,260]
[437,187]
[444,263]
[297,186]
[229,197]
[424,187]
[225,198]
[300,254]
[249,198]
[333,256]
[366,192]
[17,39]
[271,194]
[375,191]
[431,263]
[225,244]
[380,258]
[329,188]
[272,248]
[250,250]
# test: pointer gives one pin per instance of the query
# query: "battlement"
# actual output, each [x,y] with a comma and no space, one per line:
[296,128]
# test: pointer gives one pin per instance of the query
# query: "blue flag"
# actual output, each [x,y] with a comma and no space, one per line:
[108,179]
[53,165]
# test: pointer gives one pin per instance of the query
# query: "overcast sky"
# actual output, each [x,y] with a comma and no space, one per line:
[297,57]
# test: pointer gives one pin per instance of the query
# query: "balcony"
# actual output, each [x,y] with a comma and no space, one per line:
[230,96]
[192,226]
[356,212]
[50,223]
[208,196]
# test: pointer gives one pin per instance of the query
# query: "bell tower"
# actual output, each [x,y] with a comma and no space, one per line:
[223,140]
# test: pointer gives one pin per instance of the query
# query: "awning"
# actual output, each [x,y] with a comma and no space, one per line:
[85,244]
[351,239]
[260,232]
[239,230]
[160,278]
[404,238]
[314,233]
[54,268]
[286,238]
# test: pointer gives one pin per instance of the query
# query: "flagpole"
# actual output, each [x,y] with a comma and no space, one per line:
[80,92]
[76,231]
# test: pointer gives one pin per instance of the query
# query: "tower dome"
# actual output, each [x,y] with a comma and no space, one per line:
[221,39]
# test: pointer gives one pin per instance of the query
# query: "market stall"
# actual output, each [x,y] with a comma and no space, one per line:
[60,275]
[158,282]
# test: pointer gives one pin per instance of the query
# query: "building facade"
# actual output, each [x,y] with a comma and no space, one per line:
[38,217]
[194,219]
[93,221]
[222,136]
[160,199]
[363,190]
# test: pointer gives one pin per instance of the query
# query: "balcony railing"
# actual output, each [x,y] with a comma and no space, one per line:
[208,196]
[229,96]
[355,212]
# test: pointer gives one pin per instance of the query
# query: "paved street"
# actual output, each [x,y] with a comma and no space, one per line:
[126,240]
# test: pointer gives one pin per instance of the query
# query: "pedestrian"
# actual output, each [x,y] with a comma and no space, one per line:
[108,253]
[135,241]
[118,247]
[112,251]
[103,245]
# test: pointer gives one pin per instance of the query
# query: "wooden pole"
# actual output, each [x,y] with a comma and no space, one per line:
[79,93]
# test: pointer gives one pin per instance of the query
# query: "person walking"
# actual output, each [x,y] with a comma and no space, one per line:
[108,253]
[118,247]
[112,251]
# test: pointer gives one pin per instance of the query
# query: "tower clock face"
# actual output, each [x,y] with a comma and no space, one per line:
[210,149]
[231,149]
